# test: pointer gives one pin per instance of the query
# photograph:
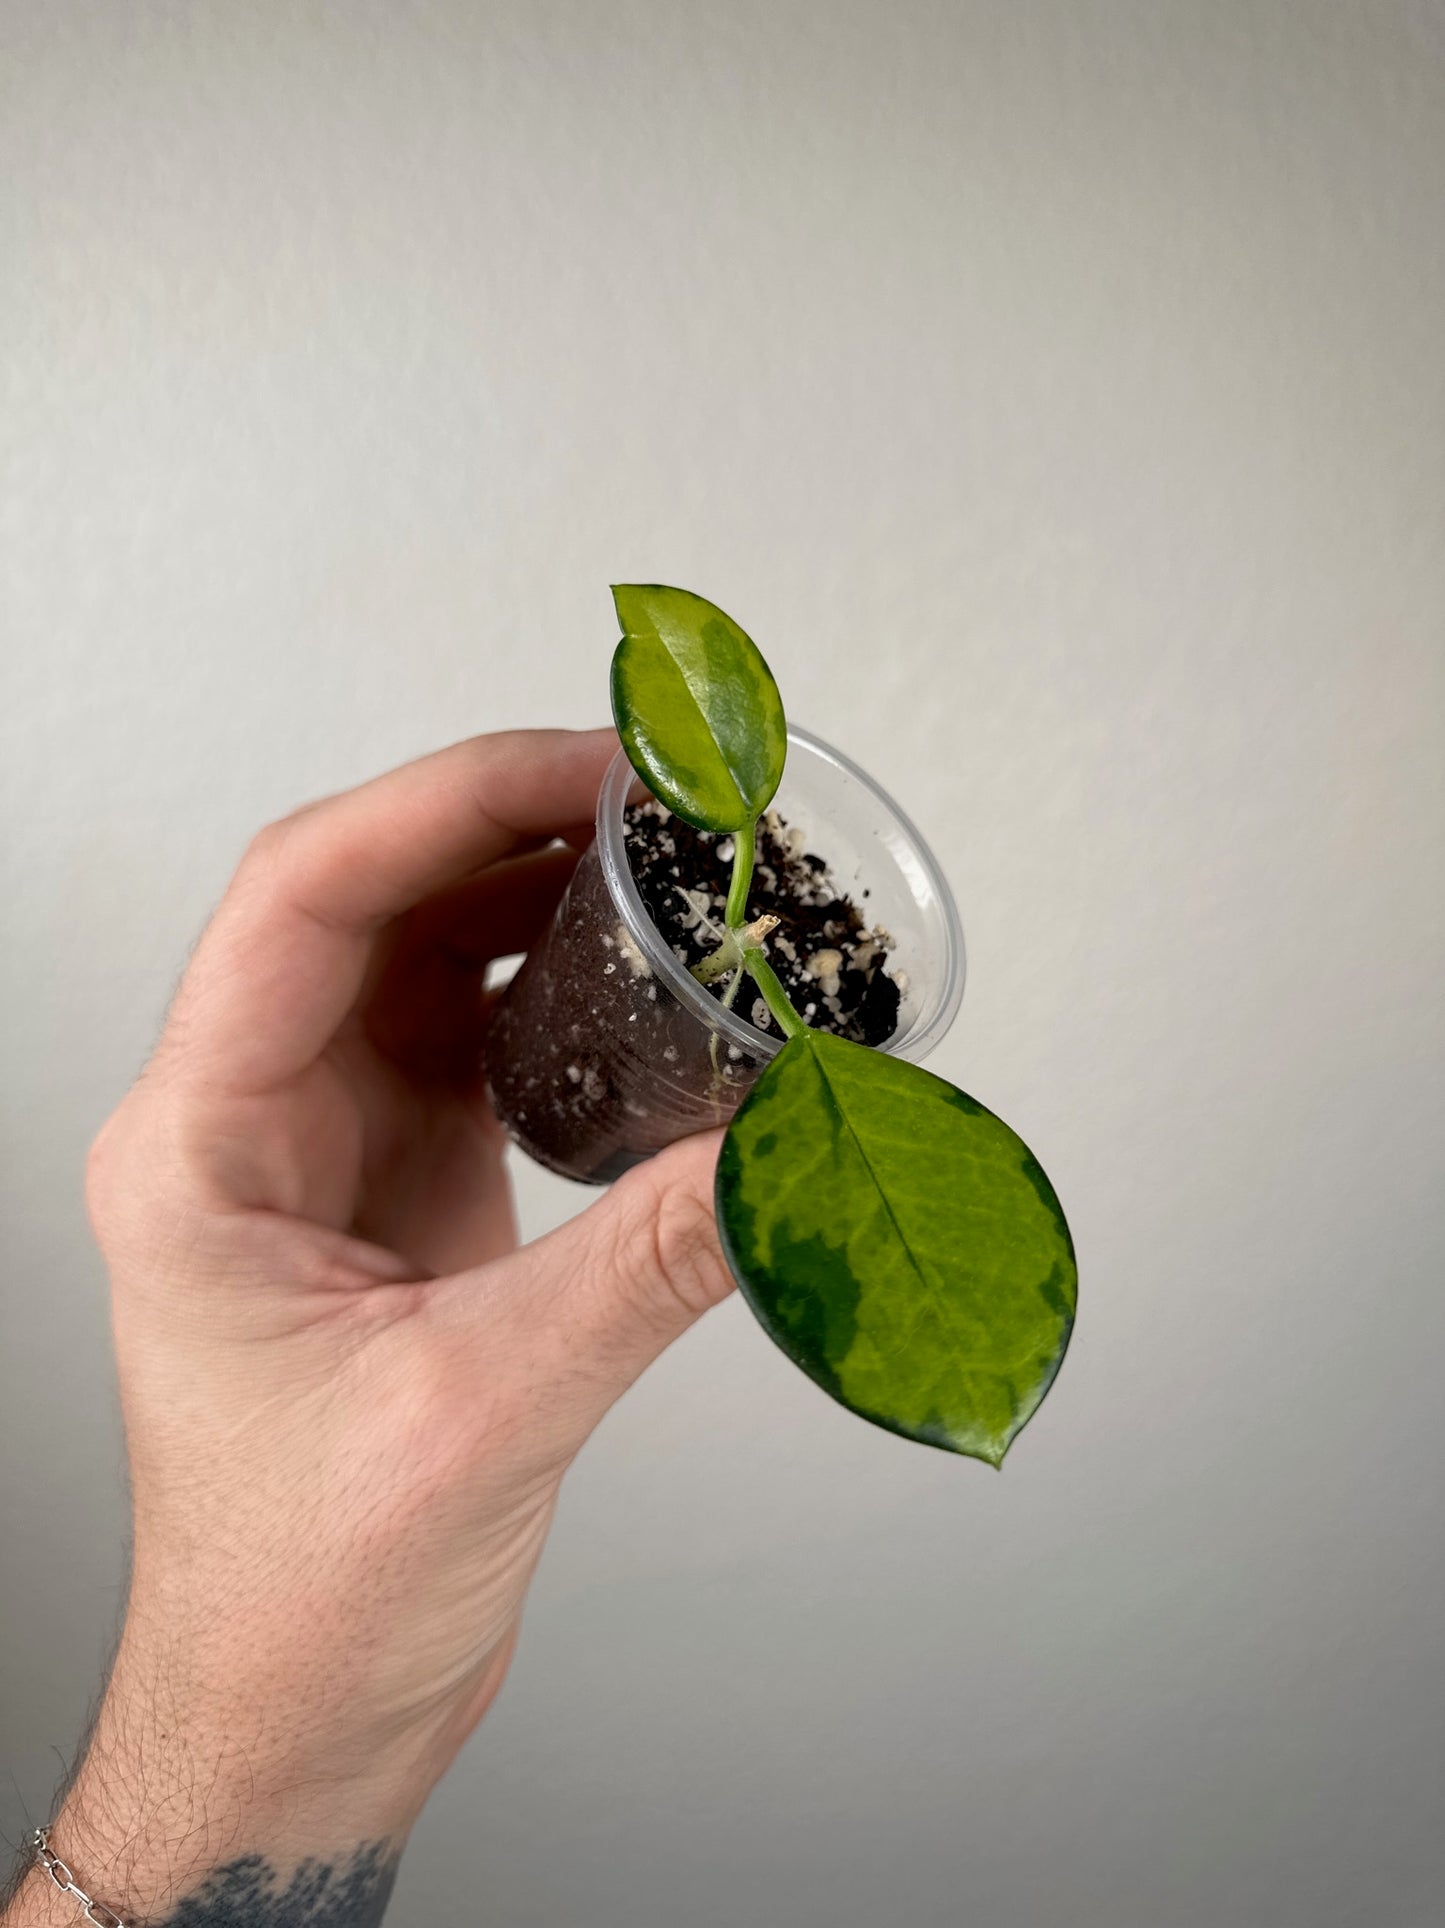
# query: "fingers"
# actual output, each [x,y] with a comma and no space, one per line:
[603,1295]
[285,956]
[579,835]
[502,910]
[426,1012]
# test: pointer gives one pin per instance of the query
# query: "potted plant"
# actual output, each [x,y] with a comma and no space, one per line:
[707,965]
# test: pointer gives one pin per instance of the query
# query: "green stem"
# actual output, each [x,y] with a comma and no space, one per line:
[774,996]
[736,914]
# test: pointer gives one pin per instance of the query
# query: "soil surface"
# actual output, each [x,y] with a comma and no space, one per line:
[592,1061]
[830,960]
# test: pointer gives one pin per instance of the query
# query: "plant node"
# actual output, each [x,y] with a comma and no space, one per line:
[730,952]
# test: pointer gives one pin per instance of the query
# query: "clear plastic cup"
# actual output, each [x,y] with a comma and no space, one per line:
[604,1047]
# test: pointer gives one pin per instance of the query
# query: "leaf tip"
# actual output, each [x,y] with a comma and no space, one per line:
[626,600]
[990,1453]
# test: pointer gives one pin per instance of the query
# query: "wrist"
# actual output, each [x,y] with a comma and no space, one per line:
[201,1845]
[218,1795]
[205,1850]
[353,1888]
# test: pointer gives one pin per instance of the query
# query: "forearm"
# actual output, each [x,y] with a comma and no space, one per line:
[198,1810]
[250,1891]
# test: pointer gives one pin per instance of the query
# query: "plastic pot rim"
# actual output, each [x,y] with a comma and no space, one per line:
[917,861]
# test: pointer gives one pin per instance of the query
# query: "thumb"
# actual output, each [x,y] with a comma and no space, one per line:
[618,1283]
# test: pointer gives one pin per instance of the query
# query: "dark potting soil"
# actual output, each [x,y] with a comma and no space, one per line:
[592,1062]
[831,962]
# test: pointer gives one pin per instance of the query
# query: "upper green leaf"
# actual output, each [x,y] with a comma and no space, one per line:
[696,707]
[899,1242]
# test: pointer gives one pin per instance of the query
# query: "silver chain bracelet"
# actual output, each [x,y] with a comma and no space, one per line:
[92,1911]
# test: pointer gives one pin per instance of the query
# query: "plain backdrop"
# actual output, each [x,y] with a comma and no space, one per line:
[1055,391]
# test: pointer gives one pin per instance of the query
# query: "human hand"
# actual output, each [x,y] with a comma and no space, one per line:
[349,1399]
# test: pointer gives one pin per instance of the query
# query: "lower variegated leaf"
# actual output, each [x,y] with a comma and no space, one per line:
[899,1242]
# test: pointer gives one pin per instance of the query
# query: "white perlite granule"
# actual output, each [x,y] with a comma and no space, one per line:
[824,966]
[627,944]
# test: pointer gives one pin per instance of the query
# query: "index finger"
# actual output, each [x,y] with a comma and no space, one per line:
[283,959]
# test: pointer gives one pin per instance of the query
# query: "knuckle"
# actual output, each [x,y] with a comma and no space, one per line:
[135,1191]
[264,850]
[102,1164]
[670,1244]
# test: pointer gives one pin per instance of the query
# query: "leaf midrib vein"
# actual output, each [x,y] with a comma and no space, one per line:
[710,732]
[944,1309]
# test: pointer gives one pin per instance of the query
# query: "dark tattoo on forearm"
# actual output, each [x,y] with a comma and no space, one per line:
[321,1894]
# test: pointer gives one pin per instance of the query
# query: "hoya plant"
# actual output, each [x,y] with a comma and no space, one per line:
[895,1238]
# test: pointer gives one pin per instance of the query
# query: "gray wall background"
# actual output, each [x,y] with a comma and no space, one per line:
[1056,391]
